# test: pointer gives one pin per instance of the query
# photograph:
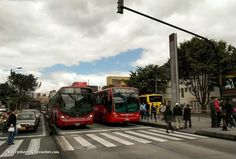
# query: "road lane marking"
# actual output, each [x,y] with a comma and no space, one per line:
[84,142]
[161,135]
[117,139]
[64,144]
[132,137]
[101,141]
[193,135]
[33,147]
[146,136]
[174,134]
[100,130]
[12,149]
[2,142]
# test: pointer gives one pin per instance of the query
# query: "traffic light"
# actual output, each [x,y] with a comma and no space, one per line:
[120,6]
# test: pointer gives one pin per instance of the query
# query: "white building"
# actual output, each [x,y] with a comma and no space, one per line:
[186,97]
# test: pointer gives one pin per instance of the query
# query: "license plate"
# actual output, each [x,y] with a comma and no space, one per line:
[23,128]
[126,119]
[77,124]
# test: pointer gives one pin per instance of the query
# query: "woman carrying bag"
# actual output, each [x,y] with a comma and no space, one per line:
[11,124]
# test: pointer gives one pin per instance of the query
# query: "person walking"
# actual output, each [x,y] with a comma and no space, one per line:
[142,110]
[162,110]
[154,112]
[187,116]
[168,116]
[11,124]
[177,111]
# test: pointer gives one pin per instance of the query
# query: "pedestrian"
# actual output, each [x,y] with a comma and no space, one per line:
[142,110]
[213,113]
[154,112]
[147,110]
[11,124]
[168,117]
[187,116]
[162,110]
[177,111]
[229,113]
[218,111]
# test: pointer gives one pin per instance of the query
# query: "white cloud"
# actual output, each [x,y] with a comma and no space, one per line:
[40,33]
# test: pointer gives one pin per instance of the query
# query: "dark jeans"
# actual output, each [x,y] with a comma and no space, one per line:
[169,126]
[213,120]
[186,122]
[155,115]
[11,137]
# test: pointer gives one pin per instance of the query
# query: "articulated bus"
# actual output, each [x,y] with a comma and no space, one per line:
[71,106]
[155,99]
[117,105]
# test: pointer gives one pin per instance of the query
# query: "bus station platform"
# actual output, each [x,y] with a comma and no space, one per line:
[201,125]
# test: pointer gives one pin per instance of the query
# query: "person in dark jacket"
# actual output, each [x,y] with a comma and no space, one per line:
[168,116]
[178,116]
[187,116]
[213,113]
[11,122]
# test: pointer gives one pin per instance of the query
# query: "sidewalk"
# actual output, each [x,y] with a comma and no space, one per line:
[200,125]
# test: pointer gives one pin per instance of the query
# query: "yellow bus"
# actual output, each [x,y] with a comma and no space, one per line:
[155,99]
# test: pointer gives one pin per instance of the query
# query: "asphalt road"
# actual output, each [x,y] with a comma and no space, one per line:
[29,144]
[138,142]
[101,141]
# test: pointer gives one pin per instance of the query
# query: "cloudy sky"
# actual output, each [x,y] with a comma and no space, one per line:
[62,41]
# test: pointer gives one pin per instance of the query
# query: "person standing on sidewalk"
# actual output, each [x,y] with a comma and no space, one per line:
[11,123]
[177,111]
[168,116]
[154,112]
[187,116]
[218,111]
[147,110]
[213,113]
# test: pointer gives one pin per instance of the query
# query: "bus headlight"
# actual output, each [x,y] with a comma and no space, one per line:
[91,116]
[62,116]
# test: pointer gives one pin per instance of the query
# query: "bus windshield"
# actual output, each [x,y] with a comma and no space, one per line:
[125,100]
[76,104]
[155,98]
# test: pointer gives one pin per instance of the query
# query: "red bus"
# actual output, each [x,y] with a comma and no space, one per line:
[71,106]
[117,105]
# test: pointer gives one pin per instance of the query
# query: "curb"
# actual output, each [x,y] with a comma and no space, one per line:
[216,135]
[198,132]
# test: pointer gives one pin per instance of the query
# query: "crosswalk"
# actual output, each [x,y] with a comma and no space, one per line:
[117,138]
[96,140]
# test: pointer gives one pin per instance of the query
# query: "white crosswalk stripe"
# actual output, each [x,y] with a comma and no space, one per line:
[84,142]
[33,147]
[161,135]
[12,149]
[96,139]
[146,136]
[64,144]
[174,134]
[101,140]
[187,134]
[132,137]
[117,139]
[2,142]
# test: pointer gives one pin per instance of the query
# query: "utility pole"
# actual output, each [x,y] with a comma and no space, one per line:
[121,7]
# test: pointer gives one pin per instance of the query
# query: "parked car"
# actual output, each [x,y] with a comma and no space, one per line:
[36,112]
[27,121]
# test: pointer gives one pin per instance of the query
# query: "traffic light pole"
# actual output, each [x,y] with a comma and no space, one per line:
[121,7]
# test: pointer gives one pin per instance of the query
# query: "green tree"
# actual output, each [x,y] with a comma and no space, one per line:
[23,85]
[200,66]
[145,79]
